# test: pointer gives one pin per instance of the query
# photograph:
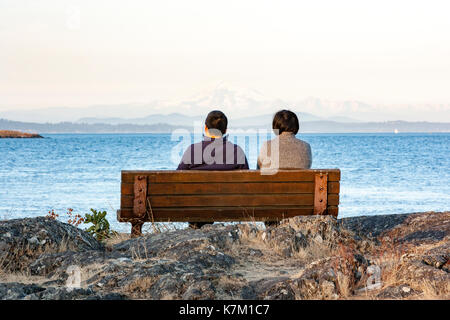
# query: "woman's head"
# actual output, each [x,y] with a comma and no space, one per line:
[285,121]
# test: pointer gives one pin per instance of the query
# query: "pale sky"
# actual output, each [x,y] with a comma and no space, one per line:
[78,53]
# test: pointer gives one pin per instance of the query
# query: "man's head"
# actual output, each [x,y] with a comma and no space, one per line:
[285,121]
[216,123]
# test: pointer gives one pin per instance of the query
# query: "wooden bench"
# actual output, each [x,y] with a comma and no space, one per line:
[243,195]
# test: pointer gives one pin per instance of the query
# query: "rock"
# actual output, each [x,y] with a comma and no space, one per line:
[312,257]
[276,288]
[179,241]
[372,226]
[328,289]
[422,228]
[419,227]
[16,291]
[304,231]
[157,266]
[23,240]
[437,261]
[283,239]
[18,134]
[319,229]
[322,279]
[50,263]
[202,290]
[20,291]
[255,252]
[396,292]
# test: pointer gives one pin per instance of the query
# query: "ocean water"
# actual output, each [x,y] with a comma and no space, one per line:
[380,173]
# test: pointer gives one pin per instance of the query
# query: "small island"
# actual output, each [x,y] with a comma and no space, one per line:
[18,134]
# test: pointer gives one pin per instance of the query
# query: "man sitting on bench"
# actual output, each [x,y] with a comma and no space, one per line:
[215,152]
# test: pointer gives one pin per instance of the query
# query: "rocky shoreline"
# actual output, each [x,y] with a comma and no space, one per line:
[18,134]
[311,257]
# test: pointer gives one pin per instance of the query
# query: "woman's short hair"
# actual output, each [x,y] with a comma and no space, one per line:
[285,121]
[216,120]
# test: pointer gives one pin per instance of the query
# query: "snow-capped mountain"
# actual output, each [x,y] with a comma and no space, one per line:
[242,105]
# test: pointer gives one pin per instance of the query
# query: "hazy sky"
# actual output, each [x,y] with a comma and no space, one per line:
[80,53]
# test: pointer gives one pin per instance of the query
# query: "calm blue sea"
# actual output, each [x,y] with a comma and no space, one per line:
[381,173]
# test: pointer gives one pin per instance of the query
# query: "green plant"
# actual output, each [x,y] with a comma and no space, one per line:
[100,225]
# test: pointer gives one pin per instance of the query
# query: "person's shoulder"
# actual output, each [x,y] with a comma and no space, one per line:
[303,145]
[267,144]
[233,145]
[270,141]
[195,145]
[191,148]
[303,142]
[230,143]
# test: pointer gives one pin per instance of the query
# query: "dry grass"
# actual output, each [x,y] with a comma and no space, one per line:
[159,227]
[344,267]
[21,278]
[392,258]
[116,238]
[139,287]
[315,251]
[432,290]
[344,284]
[229,287]
[139,252]
[253,235]
[18,258]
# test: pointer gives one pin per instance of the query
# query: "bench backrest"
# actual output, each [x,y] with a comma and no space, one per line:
[245,195]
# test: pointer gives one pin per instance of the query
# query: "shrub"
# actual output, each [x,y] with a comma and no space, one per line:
[100,226]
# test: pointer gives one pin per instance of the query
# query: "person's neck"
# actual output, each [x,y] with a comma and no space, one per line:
[207,134]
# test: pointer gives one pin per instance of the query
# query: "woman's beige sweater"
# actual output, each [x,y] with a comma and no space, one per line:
[285,152]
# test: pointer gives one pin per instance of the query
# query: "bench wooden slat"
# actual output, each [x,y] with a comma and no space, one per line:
[256,200]
[229,176]
[230,187]
[224,214]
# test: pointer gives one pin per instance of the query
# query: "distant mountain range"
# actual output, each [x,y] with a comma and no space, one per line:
[317,126]
[246,109]
[242,106]
[178,119]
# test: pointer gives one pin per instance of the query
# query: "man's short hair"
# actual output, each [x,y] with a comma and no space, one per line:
[217,120]
[285,121]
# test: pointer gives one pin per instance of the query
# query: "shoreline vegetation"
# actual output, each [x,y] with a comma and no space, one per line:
[17,134]
[399,256]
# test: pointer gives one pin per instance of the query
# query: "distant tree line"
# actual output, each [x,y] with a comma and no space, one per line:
[307,127]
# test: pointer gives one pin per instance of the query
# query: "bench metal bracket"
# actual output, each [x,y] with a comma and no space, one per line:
[139,204]
[140,196]
[320,193]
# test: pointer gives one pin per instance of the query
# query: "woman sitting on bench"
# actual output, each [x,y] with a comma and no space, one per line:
[285,151]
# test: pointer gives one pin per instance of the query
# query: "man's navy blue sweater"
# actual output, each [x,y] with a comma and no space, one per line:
[213,154]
